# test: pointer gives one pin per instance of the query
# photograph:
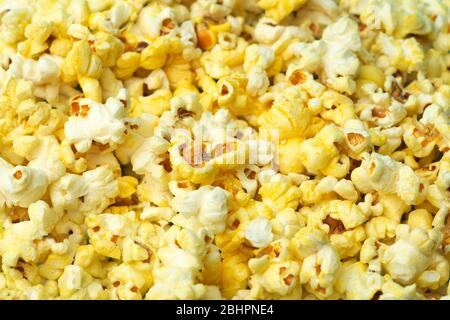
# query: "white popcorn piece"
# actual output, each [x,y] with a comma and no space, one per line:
[223,149]
[355,281]
[259,232]
[207,207]
[411,254]
[335,52]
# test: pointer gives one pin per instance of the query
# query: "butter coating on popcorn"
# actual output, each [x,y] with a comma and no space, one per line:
[93,122]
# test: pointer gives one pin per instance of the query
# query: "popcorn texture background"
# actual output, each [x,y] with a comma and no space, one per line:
[224,149]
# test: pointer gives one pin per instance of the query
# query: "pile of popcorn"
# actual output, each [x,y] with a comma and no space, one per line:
[121,122]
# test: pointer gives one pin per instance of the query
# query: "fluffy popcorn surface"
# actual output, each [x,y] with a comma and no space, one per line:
[22,185]
[355,281]
[223,149]
[319,271]
[335,52]
[90,192]
[259,232]
[410,255]
[95,122]
[75,283]
[207,207]
[279,10]
[397,18]
[396,51]
[18,243]
[287,114]
[389,176]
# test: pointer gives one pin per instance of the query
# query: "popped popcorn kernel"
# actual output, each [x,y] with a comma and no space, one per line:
[223,149]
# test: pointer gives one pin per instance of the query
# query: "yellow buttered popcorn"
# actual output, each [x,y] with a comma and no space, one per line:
[129,280]
[288,115]
[234,275]
[223,149]
[110,234]
[355,281]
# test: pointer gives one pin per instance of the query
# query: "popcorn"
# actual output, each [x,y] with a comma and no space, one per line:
[127,64]
[206,207]
[280,278]
[94,122]
[154,56]
[388,176]
[320,153]
[350,214]
[420,218]
[224,150]
[342,38]
[259,232]
[80,62]
[233,96]
[43,217]
[289,162]
[212,8]
[420,139]
[22,185]
[372,74]
[393,291]
[319,271]
[346,190]
[257,59]
[44,71]
[91,192]
[398,18]
[384,116]
[410,255]
[287,114]
[278,193]
[154,188]
[278,11]
[356,136]
[349,242]
[340,41]
[90,261]
[174,280]
[108,234]
[43,153]
[18,243]
[356,282]
[380,228]
[394,50]
[436,274]
[75,283]
[234,275]
[287,223]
